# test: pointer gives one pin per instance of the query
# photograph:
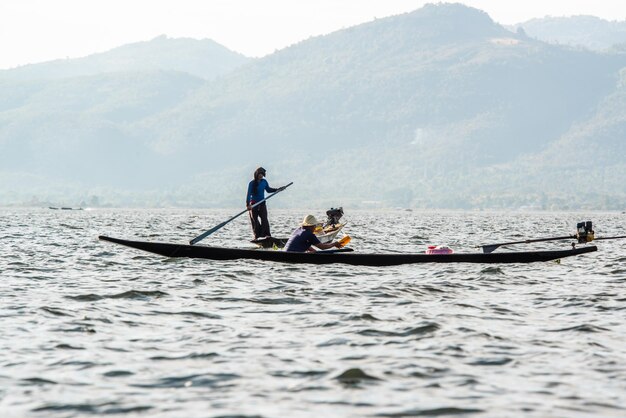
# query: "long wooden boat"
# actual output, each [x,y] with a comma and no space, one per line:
[353,258]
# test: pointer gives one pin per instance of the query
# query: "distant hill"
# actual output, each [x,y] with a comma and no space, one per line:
[201,58]
[77,130]
[441,107]
[422,101]
[583,31]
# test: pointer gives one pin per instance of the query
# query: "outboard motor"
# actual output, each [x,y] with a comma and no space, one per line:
[584,232]
[333,216]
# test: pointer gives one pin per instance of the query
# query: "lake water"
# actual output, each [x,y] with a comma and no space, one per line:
[91,328]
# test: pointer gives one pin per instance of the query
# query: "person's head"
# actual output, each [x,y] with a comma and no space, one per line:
[259,173]
[309,222]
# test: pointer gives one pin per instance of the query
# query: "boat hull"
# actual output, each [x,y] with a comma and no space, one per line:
[352,258]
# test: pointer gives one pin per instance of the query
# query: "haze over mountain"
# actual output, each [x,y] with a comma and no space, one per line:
[201,58]
[441,107]
[583,31]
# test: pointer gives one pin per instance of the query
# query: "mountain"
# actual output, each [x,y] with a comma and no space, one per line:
[424,100]
[66,128]
[592,153]
[202,58]
[583,31]
[440,107]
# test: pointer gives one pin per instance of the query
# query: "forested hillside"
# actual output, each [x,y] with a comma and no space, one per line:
[578,31]
[201,58]
[441,107]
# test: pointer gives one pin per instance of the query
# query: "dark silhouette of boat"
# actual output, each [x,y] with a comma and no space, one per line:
[344,256]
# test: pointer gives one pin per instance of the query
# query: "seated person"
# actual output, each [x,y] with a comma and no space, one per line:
[303,239]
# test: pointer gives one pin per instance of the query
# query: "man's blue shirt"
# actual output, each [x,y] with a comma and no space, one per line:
[263,186]
[301,240]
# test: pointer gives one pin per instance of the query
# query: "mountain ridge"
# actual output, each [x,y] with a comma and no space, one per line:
[440,107]
[202,58]
[577,31]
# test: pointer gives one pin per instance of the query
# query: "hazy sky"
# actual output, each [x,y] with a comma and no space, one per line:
[39,30]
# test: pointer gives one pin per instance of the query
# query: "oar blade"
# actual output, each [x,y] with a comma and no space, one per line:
[198,238]
[488,249]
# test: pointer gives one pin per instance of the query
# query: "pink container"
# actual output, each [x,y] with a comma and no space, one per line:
[439,249]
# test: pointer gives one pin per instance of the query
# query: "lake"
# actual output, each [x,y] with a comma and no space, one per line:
[92,328]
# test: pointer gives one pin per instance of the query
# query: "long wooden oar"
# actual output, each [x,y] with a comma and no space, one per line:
[492,247]
[219,226]
[601,238]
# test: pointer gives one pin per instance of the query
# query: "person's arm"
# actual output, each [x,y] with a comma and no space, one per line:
[248,195]
[268,188]
[327,245]
[316,242]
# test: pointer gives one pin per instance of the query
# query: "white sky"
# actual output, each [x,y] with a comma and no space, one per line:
[39,30]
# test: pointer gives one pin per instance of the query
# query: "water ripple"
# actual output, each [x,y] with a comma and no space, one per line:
[208,381]
[436,412]
[420,330]
[581,328]
[95,409]
[131,294]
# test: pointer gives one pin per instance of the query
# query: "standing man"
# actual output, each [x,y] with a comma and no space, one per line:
[256,192]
